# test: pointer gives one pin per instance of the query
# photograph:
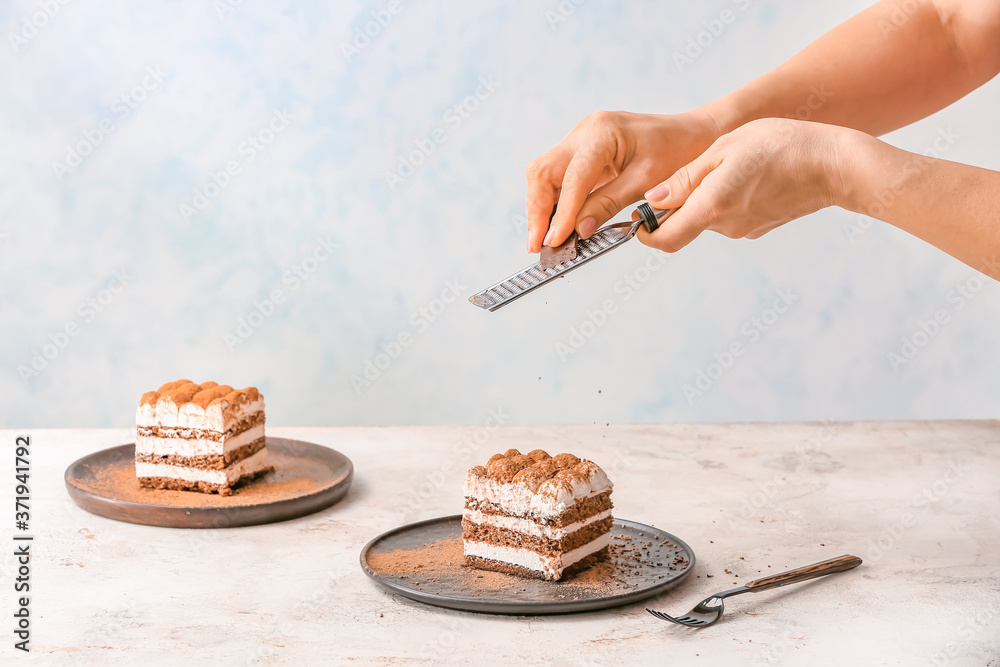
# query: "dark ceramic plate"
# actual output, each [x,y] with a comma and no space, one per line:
[634,572]
[306,478]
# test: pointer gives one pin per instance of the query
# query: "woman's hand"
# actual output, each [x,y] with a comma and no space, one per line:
[606,163]
[750,181]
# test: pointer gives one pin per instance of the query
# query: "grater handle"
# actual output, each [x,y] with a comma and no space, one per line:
[653,217]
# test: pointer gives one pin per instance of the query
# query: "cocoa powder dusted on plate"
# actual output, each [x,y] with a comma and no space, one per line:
[118,482]
[438,567]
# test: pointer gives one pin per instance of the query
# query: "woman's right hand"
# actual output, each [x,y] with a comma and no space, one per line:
[606,163]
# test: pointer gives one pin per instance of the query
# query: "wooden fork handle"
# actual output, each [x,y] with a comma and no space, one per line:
[838,564]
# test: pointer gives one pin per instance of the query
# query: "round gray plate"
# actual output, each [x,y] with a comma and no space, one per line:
[455,586]
[306,478]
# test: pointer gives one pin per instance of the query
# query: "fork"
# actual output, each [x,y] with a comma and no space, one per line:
[710,609]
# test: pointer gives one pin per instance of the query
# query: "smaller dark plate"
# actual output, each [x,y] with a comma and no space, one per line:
[424,561]
[306,478]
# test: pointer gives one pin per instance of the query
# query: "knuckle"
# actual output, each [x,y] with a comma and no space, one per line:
[576,172]
[536,210]
[605,124]
[712,214]
[721,145]
[606,205]
[723,199]
[534,169]
[683,179]
[602,118]
[571,180]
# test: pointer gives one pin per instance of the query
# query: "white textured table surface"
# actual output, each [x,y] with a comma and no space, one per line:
[919,501]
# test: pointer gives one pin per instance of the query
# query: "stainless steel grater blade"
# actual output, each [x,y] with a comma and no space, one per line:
[603,241]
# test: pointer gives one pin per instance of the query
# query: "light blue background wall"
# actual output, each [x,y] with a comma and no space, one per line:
[455,220]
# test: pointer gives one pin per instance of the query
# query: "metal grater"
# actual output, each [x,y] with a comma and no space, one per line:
[603,241]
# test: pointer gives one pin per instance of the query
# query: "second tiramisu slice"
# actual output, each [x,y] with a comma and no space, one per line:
[536,515]
[199,437]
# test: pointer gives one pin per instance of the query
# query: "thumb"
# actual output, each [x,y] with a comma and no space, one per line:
[673,192]
[695,206]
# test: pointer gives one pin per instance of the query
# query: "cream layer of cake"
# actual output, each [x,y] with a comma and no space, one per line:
[219,416]
[529,527]
[549,499]
[552,565]
[252,465]
[188,447]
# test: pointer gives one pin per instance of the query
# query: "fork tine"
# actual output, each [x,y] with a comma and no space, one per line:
[663,617]
[660,615]
[674,620]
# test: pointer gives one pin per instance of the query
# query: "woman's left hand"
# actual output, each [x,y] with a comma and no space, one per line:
[750,181]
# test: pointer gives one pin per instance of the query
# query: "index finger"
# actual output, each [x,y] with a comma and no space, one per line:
[544,178]
[585,170]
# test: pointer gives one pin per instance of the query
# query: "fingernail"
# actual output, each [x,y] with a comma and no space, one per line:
[659,193]
[588,227]
[529,242]
[548,237]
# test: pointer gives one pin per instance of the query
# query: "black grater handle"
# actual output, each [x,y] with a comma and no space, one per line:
[652,217]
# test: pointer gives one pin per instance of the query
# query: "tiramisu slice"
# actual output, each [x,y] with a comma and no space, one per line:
[536,515]
[199,437]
